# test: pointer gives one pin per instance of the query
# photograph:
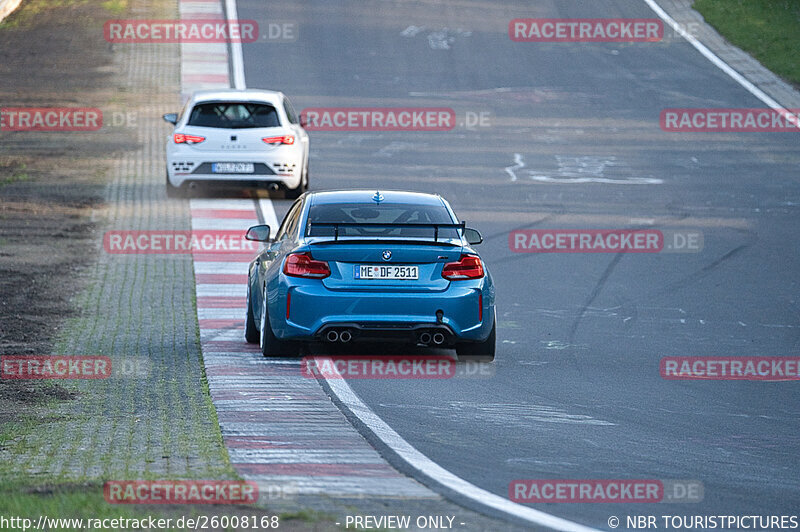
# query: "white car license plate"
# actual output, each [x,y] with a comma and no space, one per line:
[401,273]
[233,168]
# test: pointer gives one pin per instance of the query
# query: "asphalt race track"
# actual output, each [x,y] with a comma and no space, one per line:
[572,140]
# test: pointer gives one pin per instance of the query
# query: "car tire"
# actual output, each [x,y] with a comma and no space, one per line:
[251,333]
[478,351]
[173,191]
[294,193]
[271,346]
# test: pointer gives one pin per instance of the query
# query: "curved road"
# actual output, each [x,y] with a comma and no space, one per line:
[573,141]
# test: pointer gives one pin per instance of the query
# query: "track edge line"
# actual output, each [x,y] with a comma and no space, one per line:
[719,62]
[407,459]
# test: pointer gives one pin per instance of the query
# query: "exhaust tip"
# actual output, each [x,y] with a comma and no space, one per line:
[273,186]
[425,338]
[345,336]
[332,336]
[438,338]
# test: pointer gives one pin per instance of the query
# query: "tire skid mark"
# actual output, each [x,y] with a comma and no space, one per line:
[598,287]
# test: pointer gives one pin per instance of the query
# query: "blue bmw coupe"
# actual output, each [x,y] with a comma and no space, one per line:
[364,266]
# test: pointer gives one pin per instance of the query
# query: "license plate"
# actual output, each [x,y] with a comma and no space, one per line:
[233,168]
[401,273]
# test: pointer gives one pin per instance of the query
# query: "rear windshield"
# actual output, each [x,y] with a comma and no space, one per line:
[234,115]
[395,213]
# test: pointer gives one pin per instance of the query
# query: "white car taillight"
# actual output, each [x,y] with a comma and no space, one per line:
[283,139]
[181,138]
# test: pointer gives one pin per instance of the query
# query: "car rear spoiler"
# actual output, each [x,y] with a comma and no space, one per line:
[336,225]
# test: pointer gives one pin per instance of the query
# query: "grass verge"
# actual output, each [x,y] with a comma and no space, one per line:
[767,29]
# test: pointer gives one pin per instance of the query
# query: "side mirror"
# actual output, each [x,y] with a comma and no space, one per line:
[303,120]
[258,233]
[473,236]
[172,118]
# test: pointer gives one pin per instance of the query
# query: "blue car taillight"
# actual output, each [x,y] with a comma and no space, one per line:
[303,265]
[467,267]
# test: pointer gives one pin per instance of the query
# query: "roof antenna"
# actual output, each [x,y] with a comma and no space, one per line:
[378,197]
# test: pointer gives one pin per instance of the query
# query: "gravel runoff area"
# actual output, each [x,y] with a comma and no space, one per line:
[153,418]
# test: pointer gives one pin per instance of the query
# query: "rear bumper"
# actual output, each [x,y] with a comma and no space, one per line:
[283,166]
[314,310]
[421,333]
[236,180]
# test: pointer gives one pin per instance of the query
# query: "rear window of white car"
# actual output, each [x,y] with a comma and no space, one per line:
[233,115]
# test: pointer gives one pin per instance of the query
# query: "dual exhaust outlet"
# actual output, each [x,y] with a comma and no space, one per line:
[334,336]
[344,336]
[426,338]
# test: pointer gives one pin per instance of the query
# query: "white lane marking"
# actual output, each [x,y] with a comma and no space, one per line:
[244,205]
[559,345]
[431,470]
[306,456]
[396,147]
[519,163]
[220,290]
[268,212]
[222,335]
[722,65]
[224,224]
[452,94]
[440,40]
[412,31]
[608,180]
[344,486]
[577,170]
[219,313]
[237,60]
[220,267]
[570,166]
[206,67]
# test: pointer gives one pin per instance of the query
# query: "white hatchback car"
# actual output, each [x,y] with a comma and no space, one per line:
[248,138]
